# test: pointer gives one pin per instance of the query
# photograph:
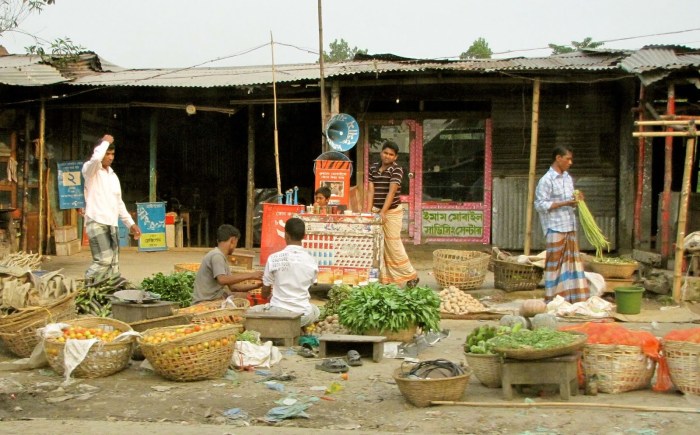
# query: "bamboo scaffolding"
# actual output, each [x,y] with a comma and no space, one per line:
[691,134]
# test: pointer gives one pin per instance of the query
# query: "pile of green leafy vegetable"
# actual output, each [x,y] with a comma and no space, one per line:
[336,295]
[176,287]
[544,338]
[479,340]
[388,307]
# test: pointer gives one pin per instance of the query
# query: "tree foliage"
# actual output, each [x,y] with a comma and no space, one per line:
[478,50]
[341,51]
[575,46]
[13,12]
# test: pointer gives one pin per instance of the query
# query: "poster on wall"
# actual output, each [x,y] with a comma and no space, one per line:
[70,185]
[151,220]
[338,181]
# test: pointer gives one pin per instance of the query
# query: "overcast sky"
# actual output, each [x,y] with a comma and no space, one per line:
[183,33]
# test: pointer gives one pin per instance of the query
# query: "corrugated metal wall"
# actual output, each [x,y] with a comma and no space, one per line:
[509,210]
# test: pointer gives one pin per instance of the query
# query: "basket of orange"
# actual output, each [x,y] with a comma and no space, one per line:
[189,353]
[108,355]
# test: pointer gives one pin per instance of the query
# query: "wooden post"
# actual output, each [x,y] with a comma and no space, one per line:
[42,130]
[682,216]
[274,103]
[152,164]
[668,178]
[324,103]
[533,164]
[250,195]
[25,179]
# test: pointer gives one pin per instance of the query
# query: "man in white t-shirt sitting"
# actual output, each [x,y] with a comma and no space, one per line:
[288,276]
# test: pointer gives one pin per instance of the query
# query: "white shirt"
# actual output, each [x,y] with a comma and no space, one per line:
[290,273]
[103,193]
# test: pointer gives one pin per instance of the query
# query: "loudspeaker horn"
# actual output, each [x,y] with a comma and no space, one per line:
[342,132]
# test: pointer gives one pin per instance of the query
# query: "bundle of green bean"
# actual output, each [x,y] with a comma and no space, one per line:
[590,228]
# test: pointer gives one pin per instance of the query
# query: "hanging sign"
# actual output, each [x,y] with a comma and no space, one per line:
[337,180]
[151,220]
[70,185]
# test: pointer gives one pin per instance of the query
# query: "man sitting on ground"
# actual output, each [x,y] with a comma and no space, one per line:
[288,276]
[214,279]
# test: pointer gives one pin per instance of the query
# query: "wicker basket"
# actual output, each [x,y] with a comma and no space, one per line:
[20,336]
[202,307]
[511,276]
[613,270]
[532,354]
[486,368]
[684,365]
[465,270]
[103,359]
[619,368]
[193,357]
[159,322]
[194,267]
[420,392]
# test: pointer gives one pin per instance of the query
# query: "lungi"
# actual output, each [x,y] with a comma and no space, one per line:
[397,267]
[563,274]
[104,246]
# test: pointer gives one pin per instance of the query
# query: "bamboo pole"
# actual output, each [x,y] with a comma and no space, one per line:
[42,130]
[153,158]
[274,111]
[250,194]
[534,130]
[682,217]
[679,122]
[660,134]
[567,405]
[25,179]
[324,103]
[668,178]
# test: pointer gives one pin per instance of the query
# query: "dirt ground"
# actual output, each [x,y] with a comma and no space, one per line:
[138,400]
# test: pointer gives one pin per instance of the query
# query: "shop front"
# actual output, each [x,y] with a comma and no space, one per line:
[447,165]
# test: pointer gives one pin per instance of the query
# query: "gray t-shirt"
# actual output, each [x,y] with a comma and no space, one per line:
[206,287]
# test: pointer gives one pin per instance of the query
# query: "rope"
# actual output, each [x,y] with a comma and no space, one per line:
[423,369]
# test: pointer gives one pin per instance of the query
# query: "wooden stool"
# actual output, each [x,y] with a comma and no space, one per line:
[560,370]
[285,326]
[377,342]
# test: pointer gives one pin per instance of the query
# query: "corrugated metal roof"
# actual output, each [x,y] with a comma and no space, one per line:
[650,63]
[23,70]
[256,75]
[659,58]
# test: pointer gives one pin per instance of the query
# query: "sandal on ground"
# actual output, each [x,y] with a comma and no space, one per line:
[306,352]
[333,365]
[412,283]
[354,358]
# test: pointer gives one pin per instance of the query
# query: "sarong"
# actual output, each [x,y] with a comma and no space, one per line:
[104,246]
[397,267]
[563,274]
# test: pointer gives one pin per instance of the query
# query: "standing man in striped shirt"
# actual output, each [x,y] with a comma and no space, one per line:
[385,179]
[556,204]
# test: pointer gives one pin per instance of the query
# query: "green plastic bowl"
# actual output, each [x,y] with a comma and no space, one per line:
[629,299]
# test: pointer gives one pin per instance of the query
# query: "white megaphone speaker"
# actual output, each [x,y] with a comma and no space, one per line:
[342,132]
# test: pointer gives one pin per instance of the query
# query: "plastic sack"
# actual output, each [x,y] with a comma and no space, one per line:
[663,377]
[246,354]
[691,335]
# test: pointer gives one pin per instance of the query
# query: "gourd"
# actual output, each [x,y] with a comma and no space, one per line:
[532,307]
[511,320]
[544,320]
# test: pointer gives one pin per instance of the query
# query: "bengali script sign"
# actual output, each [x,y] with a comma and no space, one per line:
[453,223]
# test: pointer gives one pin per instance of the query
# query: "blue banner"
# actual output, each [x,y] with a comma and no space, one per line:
[151,220]
[70,185]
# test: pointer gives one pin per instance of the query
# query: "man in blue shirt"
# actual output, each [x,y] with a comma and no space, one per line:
[556,204]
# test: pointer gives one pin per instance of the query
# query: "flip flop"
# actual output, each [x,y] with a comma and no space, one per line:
[354,358]
[333,365]
[306,353]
